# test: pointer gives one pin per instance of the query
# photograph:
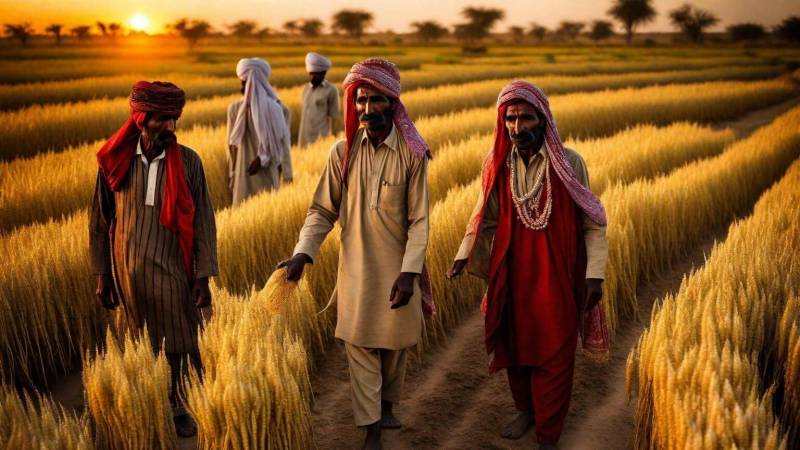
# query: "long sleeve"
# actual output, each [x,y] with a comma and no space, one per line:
[286,163]
[100,217]
[333,108]
[230,154]
[482,243]
[594,235]
[205,226]
[324,210]
[418,210]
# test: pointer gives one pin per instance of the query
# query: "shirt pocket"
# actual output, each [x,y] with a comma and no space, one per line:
[392,197]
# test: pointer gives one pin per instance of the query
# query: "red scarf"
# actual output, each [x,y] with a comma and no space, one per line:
[177,207]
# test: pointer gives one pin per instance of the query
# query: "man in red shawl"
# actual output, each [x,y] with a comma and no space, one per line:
[538,236]
[375,185]
[152,235]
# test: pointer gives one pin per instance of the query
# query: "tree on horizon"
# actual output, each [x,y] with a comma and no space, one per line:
[692,21]
[631,14]
[19,31]
[55,30]
[429,31]
[352,22]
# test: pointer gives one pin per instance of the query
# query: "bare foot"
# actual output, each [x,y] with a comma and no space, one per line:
[519,426]
[388,419]
[373,439]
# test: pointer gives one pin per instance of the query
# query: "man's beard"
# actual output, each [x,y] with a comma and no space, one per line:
[376,121]
[163,140]
[528,139]
[316,82]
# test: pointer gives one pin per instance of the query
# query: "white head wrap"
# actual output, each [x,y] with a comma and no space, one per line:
[265,109]
[317,63]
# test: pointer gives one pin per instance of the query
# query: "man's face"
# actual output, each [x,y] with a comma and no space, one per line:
[160,128]
[316,78]
[523,125]
[244,83]
[374,109]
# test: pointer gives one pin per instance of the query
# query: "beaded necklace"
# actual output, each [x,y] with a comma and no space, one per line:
[527,205]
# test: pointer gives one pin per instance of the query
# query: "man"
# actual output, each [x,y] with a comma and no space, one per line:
[538,235]
[375,185]
[258,134]
[320,102]
[152,235]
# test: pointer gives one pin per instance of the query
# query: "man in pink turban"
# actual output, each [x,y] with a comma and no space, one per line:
[538,236]
[375,185]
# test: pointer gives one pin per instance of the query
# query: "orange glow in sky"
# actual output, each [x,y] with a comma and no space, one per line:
[139,22]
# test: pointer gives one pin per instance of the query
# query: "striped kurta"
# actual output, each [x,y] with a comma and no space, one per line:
[126,239]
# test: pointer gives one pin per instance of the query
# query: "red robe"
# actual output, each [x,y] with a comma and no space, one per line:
[536,281]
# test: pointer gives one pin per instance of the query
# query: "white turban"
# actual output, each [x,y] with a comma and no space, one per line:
[265,109]
[317,63]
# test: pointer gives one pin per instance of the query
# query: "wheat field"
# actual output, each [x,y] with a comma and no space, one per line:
[659,131]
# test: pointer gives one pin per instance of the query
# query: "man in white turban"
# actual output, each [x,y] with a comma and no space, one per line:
[259,139]
[320,101]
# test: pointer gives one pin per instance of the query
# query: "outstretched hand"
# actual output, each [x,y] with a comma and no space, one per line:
[594,292]
[402,290]
[456,269]
[294,266]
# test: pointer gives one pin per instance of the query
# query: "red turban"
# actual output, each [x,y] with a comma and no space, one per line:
[116,155]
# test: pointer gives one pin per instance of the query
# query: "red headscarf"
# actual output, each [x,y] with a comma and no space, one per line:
[116,155]
[594,332]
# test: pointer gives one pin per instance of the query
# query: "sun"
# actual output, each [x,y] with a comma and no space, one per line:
[139,22]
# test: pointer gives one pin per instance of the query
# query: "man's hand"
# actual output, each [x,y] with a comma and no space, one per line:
[294,266]
[402,290]
[254,167]
[201,294]
[105,292]
[456,269]
[594,292]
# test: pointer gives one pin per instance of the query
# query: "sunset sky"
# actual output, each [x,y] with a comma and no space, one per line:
[394,15]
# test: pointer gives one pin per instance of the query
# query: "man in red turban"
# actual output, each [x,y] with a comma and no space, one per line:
[375,185]
[538,236]
[152,235]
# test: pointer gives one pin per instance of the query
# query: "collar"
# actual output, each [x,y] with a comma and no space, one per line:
[144,158]
[391,140]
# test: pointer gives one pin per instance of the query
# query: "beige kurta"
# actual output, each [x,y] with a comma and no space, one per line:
[320,108]
[383,213]
[594,234]
[127,240]
[268,177]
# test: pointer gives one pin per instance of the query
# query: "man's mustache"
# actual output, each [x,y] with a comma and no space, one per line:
[523,137]
[374,119]
[164,139]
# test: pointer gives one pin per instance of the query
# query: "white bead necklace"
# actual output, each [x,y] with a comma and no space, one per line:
[528,205]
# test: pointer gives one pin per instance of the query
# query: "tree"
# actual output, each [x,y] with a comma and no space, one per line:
[352,22]
[103,28]
[263,33]
[311,28]
[601,30]
[114,29]
[692,21]
[81,32]
[429,31]
[480,22]
[746,32]
[570,30]
[789,29]
[192,31]
[537,31]
[517,34]
[242,29]
[55,30]
[20,31]
[631,14]
[291,27]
